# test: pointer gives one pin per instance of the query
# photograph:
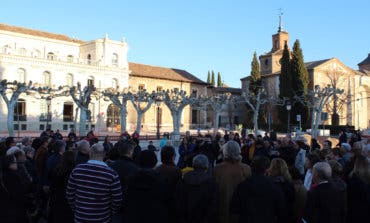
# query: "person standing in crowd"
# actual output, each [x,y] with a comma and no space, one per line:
[72,135]
[300,194]
[171,174]
[258,199]
[12,192]
[59,209]
[196,194]
[58,135]
[279,173]
[41,158]
[151,146]
[358,187]
[228,175]
[30,163]
[137,149]
[164,140]
[323,203]
[125,168]
[107,144]
[311,160]
[83,148]
[300,158]
[343,137]
[94,190]
[184,152]
[147,188]
[54,159]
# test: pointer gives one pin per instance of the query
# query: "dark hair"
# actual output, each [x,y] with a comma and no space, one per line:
[313,158]
[36,143]
[124,148]
[167,154]
[9,140]
[66,164]
[5,162]
[59,145]
[147,159]
[260,164]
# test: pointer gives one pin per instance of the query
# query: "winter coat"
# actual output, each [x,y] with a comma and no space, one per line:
[147,198]
[59,211]
[300,160]
[196,198]
[228,175]
[299,201]
[13,199]
[358,199]
[289,195]
[259,199]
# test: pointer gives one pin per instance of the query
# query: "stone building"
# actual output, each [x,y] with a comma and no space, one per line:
[353,105]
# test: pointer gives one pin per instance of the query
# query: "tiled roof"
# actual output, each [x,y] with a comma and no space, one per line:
[142,70]
[366,61]
[313,64]
[33,32]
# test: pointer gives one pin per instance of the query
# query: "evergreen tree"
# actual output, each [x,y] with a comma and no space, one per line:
[285,83]
[219,81]
[213,78]
[209,77]
[300,81]
[255,80]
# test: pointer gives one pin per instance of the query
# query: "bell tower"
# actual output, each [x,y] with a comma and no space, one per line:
[280,38]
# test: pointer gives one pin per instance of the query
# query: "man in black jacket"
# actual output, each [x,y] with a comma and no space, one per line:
[258,199]
[324,202]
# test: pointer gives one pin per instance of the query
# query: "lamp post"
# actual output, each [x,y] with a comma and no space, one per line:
[48,116]
[288,108]
[158,103]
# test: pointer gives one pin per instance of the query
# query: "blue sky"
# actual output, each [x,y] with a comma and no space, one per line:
[200,35]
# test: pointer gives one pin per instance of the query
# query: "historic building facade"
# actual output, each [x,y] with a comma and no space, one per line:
[353,105]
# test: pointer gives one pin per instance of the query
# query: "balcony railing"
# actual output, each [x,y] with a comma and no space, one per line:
[67,118]
[21,118]
[45,118]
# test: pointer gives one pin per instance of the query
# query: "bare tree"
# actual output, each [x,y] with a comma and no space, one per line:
[316,100]
[142,101]
[10,92]
[176,100]
[82,98]
[255,101]
[120,99]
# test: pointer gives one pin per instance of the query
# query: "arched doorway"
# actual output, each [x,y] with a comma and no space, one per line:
[113,116]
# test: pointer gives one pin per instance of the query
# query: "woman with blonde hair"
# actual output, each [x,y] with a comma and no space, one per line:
[358,191]
[279,173]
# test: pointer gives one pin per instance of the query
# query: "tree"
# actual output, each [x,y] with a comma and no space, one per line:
[82,98]
[285,82]
[255,80]
[176,100]
[255,101]
[316,100]
[213,78]
[142,101]
[209,77]
[10,92]
[300,80]
[119,98]
[219,81]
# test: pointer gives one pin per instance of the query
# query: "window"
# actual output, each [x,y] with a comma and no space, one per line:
[141,87]
[20,111]
[51,56]
[115,59]
[68,112]
[194,93]
[43,108]
[47,78]
[88,58]
[70,58]
[69,80]
[23,51]
[90,81]
[7,49]
[36,53]
[194,116]
[114,83]
[159,88]
[21,73]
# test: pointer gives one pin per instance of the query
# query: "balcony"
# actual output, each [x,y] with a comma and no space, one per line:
[45,118]
[67,118]
[21,118]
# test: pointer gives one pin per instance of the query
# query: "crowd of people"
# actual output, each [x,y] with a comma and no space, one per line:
[226,178]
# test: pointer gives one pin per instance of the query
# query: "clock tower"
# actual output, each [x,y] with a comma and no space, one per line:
[270,62]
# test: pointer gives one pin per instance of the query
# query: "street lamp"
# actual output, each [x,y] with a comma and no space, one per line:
[48,116]
[158,103]
[288,108]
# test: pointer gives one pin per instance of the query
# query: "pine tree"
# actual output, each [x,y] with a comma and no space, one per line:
[209,77]
[219,81]
[300,81]
[255,80]
[213,78]
[285,83]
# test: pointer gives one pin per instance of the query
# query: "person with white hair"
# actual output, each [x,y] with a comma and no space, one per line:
[83,148]
[228,175]
[196,194]
[94,191]
[324,201]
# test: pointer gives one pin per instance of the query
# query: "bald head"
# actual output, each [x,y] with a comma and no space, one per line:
[97,151]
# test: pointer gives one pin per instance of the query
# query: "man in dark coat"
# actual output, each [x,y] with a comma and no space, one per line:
[324,203]
[258,199]
[147,195]
[196,195]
